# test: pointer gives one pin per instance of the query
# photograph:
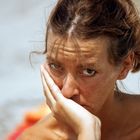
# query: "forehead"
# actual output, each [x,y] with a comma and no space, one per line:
[74,48]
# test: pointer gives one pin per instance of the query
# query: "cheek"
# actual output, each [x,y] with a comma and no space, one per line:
[58,81]
[92,85]
[94,93]
[90,92]
[98,86]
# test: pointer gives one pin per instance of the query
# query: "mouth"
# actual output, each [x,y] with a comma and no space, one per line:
[81,104]
[88,108]
[85,106]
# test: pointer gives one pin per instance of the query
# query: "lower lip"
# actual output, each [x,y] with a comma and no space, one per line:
[87,107]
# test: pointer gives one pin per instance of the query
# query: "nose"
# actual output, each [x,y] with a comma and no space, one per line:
[69,87]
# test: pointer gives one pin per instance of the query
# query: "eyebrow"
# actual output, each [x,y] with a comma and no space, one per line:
[90,65]
[80,65]
[49,58]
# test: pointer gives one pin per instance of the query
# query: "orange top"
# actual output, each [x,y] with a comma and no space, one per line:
[30,118]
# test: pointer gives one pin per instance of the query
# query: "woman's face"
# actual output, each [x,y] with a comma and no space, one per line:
[83,73]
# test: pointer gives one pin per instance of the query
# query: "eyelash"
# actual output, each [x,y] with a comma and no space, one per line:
[59,69]
[89,72]
[55,67]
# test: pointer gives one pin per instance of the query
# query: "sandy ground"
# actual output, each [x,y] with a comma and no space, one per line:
[22,29]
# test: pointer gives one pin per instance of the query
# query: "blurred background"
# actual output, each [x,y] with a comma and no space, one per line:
[22,30]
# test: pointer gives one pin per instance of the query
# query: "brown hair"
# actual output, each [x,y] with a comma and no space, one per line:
[87,19]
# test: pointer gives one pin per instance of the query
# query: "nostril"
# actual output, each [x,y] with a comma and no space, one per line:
[69,92]
[60,87]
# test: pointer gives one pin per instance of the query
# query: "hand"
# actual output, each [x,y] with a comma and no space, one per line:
[48,128]
[68,111]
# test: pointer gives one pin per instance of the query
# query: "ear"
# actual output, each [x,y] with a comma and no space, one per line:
[126,66]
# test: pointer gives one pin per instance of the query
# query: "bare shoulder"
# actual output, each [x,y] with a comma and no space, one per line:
[131,116]
[131,99]
[131,103]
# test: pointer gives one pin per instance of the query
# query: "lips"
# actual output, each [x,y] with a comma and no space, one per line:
[81,104]
[76,99]
[85,106]
[88,108]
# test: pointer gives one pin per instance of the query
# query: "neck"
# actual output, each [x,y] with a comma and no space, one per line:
[110,114]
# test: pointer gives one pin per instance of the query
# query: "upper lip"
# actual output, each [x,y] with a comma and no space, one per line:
[86,107]
[81,104]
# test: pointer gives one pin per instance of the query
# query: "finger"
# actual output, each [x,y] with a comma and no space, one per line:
[45,93]
[97,129]
[56,93]
[50,99]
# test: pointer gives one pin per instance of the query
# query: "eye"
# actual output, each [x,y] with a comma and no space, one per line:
[55,67]
[88,72]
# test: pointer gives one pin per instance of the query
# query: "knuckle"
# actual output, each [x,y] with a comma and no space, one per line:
[98,122]
[57,109]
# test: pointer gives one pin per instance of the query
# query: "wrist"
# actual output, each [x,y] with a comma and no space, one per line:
[91,130]
[87,133]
